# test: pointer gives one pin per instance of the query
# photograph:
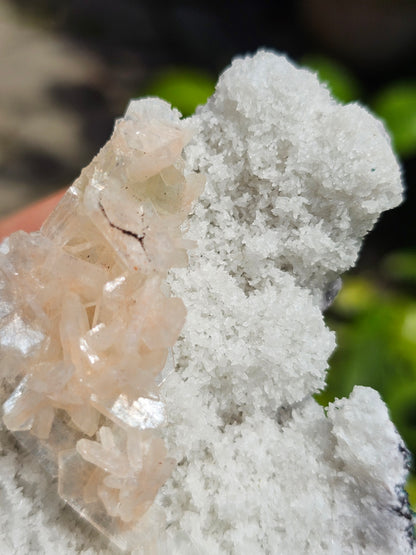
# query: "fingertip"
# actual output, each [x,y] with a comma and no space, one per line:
[32,217]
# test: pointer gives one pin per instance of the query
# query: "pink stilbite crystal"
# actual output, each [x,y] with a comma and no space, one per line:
[91,321]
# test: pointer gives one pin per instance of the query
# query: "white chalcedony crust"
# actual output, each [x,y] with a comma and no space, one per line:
[296,176]
[294,181]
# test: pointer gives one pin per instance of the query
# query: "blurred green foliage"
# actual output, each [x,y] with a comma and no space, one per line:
[396,105]
[340,81]
[183,88]
[374,317]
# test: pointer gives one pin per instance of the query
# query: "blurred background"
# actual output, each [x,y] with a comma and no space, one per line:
[67,69]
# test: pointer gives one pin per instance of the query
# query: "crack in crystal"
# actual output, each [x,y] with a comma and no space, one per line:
[139,238]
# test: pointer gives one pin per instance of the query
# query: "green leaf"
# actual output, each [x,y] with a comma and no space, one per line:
[357,294]
[411,490]
[402,407]
[376,336]
[396,105]
[339,79]
[184,89]
[401,266]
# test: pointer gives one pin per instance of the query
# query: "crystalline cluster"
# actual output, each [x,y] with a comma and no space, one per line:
[294,181]
[88,321]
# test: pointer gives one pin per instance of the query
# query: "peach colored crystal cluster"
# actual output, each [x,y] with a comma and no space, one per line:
[90,320]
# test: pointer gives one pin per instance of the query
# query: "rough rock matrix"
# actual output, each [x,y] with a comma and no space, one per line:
[294,180]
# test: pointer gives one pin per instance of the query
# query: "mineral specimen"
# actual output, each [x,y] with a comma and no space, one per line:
[88,321]
[294,181]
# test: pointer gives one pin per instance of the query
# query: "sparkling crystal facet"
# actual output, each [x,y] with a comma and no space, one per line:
[88,323]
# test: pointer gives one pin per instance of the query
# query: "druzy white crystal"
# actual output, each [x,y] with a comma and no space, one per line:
[294,181]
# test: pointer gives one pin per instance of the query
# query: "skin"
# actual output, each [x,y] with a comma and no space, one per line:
[30,218]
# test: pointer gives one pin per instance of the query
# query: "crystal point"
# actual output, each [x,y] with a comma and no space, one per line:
[89,321]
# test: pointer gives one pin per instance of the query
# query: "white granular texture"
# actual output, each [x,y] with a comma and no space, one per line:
[294,181]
